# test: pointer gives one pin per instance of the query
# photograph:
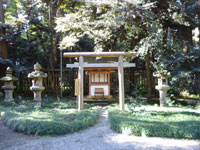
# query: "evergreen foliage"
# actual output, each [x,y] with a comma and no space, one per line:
[54,119]
[162,31]
[153,123]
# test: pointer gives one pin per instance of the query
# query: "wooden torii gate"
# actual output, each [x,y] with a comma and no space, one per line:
[120,67]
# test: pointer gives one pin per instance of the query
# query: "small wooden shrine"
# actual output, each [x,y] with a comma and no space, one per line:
[99,66]
[99,84]
[99,76]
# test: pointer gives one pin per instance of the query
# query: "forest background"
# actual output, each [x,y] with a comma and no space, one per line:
[164,33]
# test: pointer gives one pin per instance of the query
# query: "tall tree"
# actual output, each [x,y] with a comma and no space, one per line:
[3,45]
[149,75]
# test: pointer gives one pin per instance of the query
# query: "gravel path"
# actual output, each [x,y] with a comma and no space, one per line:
[101,137]
[9,138]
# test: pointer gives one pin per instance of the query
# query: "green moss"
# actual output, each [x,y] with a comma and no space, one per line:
[59,118]
[170,124]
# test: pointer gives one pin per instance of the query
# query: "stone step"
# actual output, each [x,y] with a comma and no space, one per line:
[100,104]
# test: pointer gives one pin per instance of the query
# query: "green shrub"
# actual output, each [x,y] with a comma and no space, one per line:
[54,120]
[5,106]
[181,125]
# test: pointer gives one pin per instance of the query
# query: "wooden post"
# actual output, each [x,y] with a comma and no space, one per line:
[3,45]
[80,77]
[121,83]
[61,74]
[108,79]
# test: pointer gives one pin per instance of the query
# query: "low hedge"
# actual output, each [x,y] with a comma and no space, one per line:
[180,125]
[45,121]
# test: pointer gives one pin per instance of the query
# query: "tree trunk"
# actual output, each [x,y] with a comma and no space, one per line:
[165,35]
[3,45]
[57,37]
[148,75]
[51,47]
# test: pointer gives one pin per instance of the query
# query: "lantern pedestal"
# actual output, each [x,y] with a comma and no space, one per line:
[163,86]
[8,86]
[37,87]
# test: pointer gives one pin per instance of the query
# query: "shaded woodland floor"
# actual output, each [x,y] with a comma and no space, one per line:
[98,137]
[9,138]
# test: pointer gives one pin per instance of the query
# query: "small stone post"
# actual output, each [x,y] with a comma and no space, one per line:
[163,86]
[37,88]
[8,86]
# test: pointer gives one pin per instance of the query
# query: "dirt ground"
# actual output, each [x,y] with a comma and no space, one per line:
[98,137]
[9,138]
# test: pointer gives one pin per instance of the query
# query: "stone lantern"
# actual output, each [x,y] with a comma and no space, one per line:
[163,86]
[8,86]
[37,88]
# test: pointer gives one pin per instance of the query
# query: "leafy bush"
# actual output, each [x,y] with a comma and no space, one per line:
[169,101]
[170,124]
[1,94]
[139,92]
[48,121]
[136,103]
[5,106]
[50,102]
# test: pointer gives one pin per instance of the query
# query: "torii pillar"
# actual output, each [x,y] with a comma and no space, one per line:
[121,83]
[81,82]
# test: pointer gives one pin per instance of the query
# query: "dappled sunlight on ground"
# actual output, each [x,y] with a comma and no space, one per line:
[153,142]
[153,108]
[101,137]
